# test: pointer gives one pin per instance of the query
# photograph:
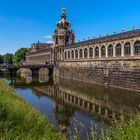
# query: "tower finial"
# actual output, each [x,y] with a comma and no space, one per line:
[63,13]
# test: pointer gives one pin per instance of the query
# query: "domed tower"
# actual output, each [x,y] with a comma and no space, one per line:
[63,36]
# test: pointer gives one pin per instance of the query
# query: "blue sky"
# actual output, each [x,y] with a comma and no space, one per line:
[23,22]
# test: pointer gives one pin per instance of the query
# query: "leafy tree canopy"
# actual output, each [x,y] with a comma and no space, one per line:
[19,56]
[8,58]
[1,59]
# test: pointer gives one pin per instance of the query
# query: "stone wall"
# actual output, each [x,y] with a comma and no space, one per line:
[25,72]
[123,74]
[43,75]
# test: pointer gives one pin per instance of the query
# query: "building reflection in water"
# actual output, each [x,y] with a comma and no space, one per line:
[107,104]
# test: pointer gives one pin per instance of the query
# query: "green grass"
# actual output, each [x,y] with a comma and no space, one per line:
[19,121]
[124,131]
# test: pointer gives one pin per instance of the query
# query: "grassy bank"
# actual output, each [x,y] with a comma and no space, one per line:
[125,131]
[19,121]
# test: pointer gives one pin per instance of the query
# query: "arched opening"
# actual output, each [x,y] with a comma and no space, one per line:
[56,41]
[72,54]
[85,53]
[68,54]
[91,52]
[76,54]
[65,55]
[110,51]
[137,48]
[81,53]
[118,49]
[103,51]
[127,48]
[97,52]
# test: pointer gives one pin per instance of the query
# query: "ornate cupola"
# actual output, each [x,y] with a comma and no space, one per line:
[63,36]
[63,24]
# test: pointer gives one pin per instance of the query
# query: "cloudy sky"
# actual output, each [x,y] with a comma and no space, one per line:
[23,22]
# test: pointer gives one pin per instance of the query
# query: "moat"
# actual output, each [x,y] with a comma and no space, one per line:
[72,106]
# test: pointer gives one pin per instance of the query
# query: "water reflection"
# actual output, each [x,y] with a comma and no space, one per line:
[68,104]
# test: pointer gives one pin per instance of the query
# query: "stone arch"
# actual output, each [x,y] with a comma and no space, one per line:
[68,54]
[72,54]
[80,53]
[96,51]
[90,52]
[110,50]
[76,54]
[137,47]
[118,49]
[103,53]
[127,48]
[65,54]
[85,53]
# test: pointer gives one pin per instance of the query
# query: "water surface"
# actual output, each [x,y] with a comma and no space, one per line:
[77,107]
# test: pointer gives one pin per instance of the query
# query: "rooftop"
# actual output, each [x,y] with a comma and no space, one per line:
[109,38]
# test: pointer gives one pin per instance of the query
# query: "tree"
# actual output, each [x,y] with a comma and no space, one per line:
[1,59]
[19,56]
[8,58]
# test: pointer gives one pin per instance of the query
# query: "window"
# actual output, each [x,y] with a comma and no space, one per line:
[65,55]
[96,52]
[137,47]
[103,51]
[110,50]
[91,52]
[72,54]
[56,41]
[68,54]
[118,50]
[76,54]
[127,48]
[85,53]
[81,53]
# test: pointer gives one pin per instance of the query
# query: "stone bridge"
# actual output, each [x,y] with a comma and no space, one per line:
[28,69]
[17,66]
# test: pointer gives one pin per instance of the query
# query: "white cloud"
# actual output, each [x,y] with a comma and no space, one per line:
[50,41]
[48,36]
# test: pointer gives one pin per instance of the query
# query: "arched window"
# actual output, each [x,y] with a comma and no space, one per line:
[56,41]
[97,52]
[127,48]
[110,50]
[72,54]
[68,54]
[118,49]
[65,55]
[137,47]
[76,54]
[91,52]
[81,53]
[103,51]
[85,53]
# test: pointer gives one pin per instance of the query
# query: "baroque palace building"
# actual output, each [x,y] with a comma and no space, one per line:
[125,45]
[112,59]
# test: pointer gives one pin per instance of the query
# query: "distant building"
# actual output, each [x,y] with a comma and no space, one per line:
[39,54]
[40,45]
